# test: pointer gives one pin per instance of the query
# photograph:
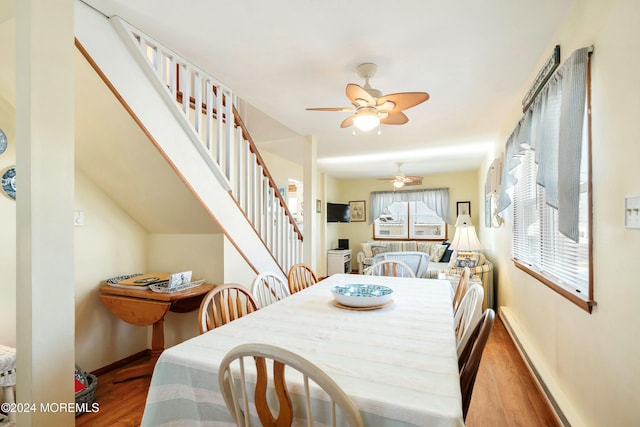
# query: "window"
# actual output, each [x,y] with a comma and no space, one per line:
[547,177]
[409,220]
[538,246]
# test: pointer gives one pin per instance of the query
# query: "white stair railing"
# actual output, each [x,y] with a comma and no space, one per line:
[206,109]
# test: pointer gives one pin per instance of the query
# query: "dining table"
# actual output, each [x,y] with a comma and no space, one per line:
[398,363]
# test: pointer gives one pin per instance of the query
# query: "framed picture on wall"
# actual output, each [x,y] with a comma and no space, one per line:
[358,211]
[463,208]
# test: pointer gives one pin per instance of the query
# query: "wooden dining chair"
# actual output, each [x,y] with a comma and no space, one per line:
[317,388]
[418,262]
[469,360]
[468,315]
[389,267]
[461,288]
[224,304]
[268,288]
[300,277]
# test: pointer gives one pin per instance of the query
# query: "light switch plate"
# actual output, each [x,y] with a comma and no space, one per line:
[78,218]
[632,211]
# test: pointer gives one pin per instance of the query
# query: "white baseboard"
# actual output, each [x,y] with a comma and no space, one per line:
[514,331]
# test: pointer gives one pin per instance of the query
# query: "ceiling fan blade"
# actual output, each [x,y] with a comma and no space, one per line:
[386,106]
[404,100]
[387,179]
[330,109]
[412,178]
[347,122]
[395,118]
[358,95]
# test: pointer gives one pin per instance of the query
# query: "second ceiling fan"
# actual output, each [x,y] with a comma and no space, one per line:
[400,179]
[371,108]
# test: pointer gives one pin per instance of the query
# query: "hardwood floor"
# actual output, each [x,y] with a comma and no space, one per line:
[121,404]
[504,393]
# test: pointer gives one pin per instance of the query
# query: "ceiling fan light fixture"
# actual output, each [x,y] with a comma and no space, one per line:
[398,183]
[371,108]
[366,118]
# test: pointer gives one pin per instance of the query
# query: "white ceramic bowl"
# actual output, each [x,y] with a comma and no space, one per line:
[358,295]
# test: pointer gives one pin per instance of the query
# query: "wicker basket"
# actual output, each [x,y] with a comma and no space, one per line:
[88,394]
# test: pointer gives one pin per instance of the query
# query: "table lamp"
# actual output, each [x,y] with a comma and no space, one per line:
[465,238]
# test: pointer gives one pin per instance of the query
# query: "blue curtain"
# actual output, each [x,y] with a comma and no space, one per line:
[553,127]
[437,199]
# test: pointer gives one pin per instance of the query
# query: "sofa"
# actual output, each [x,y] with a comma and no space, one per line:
[442,260]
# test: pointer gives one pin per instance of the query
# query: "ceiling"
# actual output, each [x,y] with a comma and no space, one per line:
[475,59]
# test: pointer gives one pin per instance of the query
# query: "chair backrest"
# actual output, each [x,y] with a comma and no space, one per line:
[417,261]
[236,370]
[223,304]
[461,289]
[268,288]
[469,360]
[389,267]
[300,277]
[468,315]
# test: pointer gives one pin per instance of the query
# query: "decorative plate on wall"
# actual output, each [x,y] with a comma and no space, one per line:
[9,182]
[3,141]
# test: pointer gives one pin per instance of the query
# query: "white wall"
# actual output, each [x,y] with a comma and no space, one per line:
[8,234]
[235,268]
[332,231]
[590,361]
[109,244]
[173,253]
[281,170]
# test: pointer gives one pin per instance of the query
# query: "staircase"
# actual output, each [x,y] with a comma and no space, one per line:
[192,120]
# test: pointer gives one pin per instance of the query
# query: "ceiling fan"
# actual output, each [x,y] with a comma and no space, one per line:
[400,179]
[371,108]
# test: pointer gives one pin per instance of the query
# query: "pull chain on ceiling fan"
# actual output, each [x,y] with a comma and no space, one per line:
[371,108]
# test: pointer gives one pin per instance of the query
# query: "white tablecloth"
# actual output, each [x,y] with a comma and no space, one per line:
[398,363]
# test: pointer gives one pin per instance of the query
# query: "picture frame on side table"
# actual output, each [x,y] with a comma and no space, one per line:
[463,208]
[358,212]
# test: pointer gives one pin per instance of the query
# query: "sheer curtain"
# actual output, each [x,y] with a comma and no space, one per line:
[553,127]
[436,199]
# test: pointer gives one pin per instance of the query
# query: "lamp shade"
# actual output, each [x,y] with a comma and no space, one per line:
[465,238]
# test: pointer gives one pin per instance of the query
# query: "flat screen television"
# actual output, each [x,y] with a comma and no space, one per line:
[338,212]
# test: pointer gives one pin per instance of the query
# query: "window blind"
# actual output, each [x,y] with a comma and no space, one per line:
[537,241]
